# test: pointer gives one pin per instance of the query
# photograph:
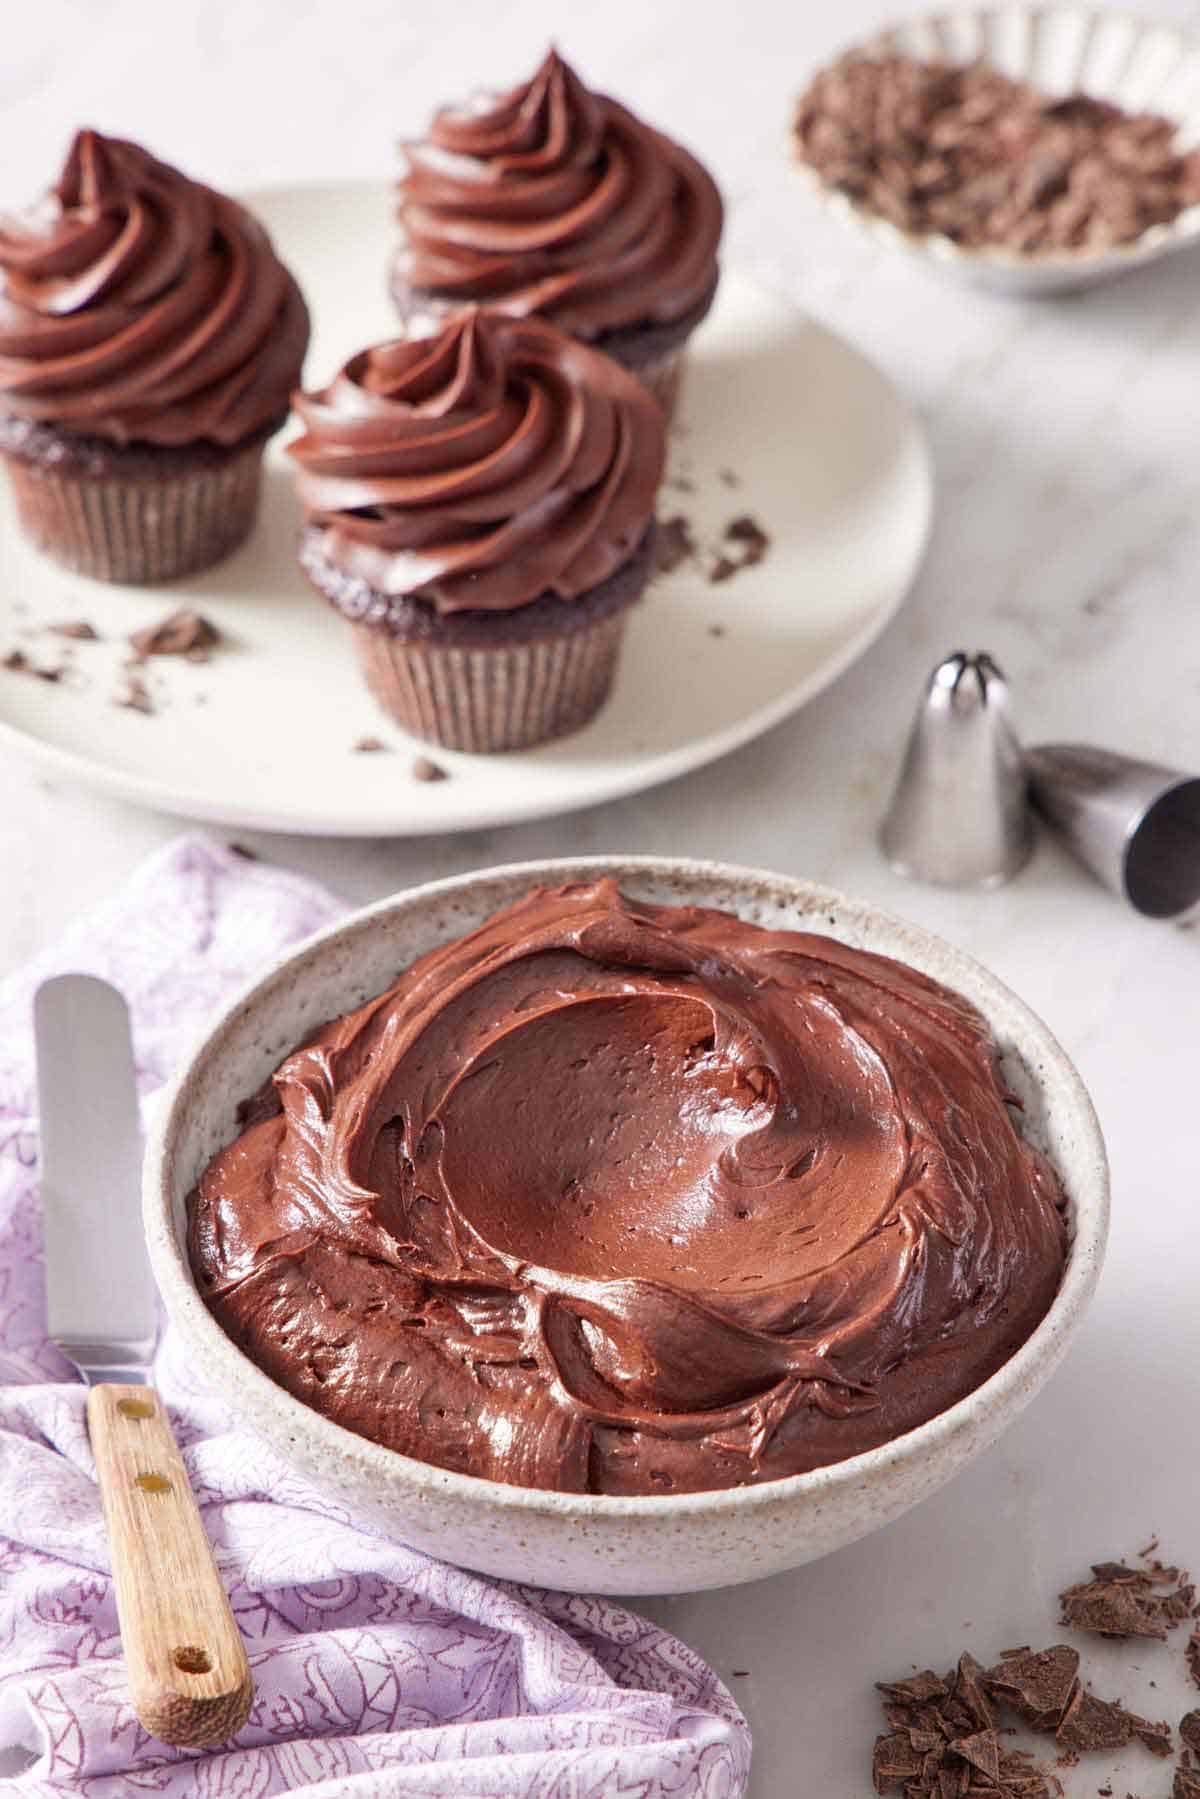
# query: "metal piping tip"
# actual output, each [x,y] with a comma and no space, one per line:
[959,816]
[1135,824]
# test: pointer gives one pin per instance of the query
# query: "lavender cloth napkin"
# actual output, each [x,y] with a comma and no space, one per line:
[378,1671]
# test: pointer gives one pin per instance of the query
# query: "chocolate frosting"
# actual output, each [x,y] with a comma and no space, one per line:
[624,1198]
[555,200]
[482,468]
[140,307]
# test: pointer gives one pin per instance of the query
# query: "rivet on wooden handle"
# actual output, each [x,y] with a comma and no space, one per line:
[189,1679]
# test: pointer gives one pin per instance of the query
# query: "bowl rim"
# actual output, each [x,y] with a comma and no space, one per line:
[1154,241]
[397,1472]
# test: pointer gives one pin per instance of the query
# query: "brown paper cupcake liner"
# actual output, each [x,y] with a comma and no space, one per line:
[139,528]
[502,697]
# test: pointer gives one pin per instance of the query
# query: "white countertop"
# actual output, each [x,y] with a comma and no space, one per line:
[1067,542]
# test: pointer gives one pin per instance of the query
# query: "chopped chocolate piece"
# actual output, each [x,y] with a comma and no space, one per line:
[915,1688]
[182,633]
[970,1692]
[1037,1686]
[425,770]
[975,156]
[77,628]
[134,696]
[1092,1723]
[894,1762]
[749,533]
[673,544]
[15,660]
[982,1751]
[1124,1602]
[369,746]
[1189,1730]
[1186,1785]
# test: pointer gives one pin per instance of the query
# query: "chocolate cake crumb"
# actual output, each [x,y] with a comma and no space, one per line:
[1125,1602]
[182,633]
[746,543]
[972,155]
[673,544]
[369,746]
[425,770]
[77,628]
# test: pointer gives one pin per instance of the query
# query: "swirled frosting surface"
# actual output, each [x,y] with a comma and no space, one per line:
[139,306]
[555,200]
[481,468]
[614,1197]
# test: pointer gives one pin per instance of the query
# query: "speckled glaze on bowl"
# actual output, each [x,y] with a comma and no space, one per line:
[584,1542]
[1139,64]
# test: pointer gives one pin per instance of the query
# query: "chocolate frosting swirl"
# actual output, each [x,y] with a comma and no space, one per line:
[482,468]
[138,306]
[624,1198]
[555,200]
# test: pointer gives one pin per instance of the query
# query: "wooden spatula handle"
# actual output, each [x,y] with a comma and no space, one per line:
[189,1678]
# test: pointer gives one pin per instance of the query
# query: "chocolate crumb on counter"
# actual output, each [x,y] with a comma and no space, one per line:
[425,770]
[182,633]
[674,543]
[369,746]
[987,161]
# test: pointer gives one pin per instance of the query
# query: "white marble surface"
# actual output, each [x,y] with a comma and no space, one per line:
[1067,540]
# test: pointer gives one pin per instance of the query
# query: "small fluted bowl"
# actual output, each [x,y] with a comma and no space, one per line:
[1135,63]
[588,1542]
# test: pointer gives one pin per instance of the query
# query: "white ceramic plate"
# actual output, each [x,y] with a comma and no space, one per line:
[825,455]
[1136,63]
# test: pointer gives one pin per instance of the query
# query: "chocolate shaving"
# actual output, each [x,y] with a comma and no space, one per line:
[673,544]
[915,1688]
[183,633]
[425,770]
[987,161]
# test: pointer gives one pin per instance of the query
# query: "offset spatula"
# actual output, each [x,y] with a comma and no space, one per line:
[188,1676]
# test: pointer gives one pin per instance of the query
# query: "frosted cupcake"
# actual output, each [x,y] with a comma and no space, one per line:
[555,201]
[479,504]
[150,339]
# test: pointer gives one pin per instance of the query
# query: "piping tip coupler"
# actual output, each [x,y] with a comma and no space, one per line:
[1136,825]
[959,816]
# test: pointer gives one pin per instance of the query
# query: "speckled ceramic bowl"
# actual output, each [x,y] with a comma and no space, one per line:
[1139,64]
[675,1543]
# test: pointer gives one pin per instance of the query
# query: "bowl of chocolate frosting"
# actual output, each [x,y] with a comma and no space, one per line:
[627,1224]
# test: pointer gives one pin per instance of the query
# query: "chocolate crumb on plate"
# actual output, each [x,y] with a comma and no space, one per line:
[369,746]
[182,633]
[748,532]
[674,544]
[425,770]
[77,628]
[134,695]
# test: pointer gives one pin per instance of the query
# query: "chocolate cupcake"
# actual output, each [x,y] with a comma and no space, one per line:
[555,201]
[149,342]
[480,505]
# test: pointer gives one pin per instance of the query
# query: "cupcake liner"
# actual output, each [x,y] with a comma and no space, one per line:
[501,697]
[138,528]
